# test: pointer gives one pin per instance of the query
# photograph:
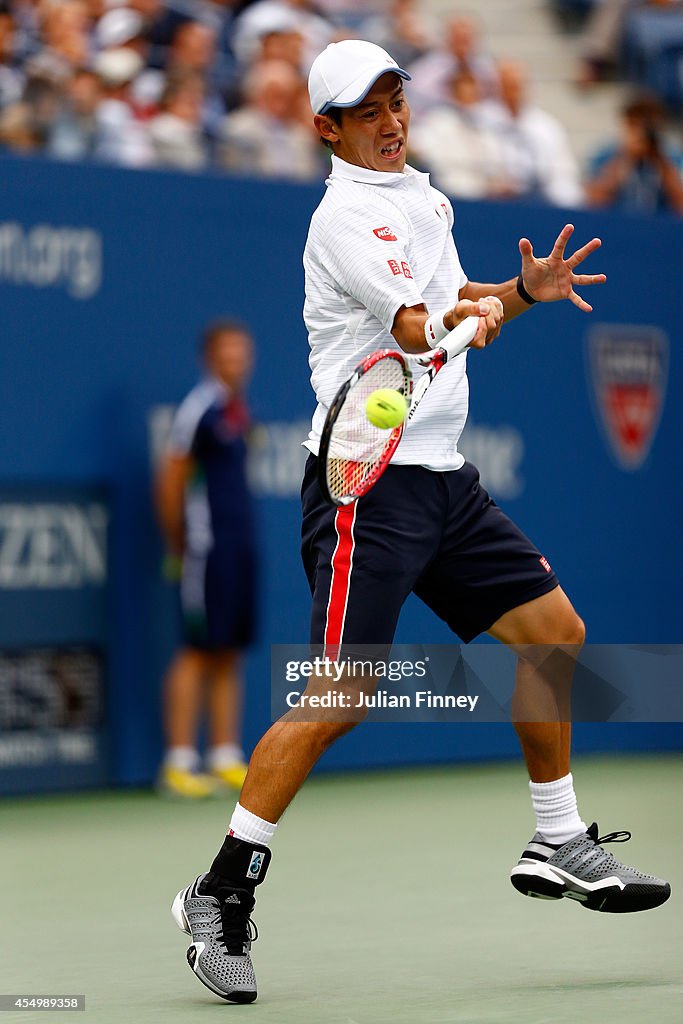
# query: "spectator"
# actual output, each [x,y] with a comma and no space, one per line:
[123,28]
[456,145]
[264,135]
[462,51]
[11,79]
[537,161]
[641,172]
[286,44]
[399,30]
[603,36]
[176,132]
[283,16]
[206,515]
[193,52]
[74,132]
[66,46]
[120,138]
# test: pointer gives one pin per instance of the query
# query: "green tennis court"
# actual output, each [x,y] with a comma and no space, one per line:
[387,901]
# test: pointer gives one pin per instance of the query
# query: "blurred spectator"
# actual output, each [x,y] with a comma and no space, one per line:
[282,44]
[11,79]
[400,30]
[536,159]
[17,130]
[264,136]
[120,138]
[205,511]
[176,132]
[66,45]
[603,34]
[193,52]
[462,51]
[281,16]
[641,172]
[74,132]
[122,26]
[454,142]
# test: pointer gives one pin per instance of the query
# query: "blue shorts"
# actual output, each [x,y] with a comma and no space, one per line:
[218,593]
[438,535]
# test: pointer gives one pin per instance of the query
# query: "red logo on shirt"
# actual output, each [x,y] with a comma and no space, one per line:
[386,234]
[397,268]
[545,563]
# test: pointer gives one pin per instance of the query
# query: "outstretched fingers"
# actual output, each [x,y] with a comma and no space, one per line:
[584,251]
[588,278]
[581,303]
[526,249]
[561,241]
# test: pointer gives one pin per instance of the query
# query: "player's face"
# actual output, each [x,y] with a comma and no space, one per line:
[375,133]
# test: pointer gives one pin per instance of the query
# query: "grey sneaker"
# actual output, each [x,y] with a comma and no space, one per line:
[222,933]
[581,870]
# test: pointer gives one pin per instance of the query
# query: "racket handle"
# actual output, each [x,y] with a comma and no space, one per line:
[460,337]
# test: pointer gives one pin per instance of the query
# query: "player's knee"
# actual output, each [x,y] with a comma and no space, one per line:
[580,634]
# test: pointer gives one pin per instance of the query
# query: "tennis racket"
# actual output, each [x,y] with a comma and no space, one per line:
[353,452]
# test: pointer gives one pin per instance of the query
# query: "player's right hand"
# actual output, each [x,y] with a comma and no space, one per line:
[490,312]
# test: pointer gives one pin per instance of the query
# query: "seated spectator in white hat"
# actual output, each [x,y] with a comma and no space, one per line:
[266,16]
[120,137]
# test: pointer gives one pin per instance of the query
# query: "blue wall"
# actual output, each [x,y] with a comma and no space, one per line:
[98,341]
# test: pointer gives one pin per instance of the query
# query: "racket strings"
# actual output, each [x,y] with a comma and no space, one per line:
[358,449]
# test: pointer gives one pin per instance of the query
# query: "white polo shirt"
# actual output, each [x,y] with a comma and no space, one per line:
[379,241]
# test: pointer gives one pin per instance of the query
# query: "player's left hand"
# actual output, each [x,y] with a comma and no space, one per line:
[553,278]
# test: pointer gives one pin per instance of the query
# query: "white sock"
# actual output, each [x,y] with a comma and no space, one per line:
[251,828]
[186,759]
[557,817]
[225,755]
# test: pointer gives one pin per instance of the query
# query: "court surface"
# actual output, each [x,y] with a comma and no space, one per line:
[387,901]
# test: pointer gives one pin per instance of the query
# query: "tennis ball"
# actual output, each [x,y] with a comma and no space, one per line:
[386,408]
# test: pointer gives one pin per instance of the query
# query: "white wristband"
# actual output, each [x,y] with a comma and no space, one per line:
[435,331]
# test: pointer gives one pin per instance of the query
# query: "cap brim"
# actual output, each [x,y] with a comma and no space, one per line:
[359,89]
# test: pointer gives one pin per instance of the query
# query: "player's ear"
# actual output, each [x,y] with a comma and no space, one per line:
[326,128]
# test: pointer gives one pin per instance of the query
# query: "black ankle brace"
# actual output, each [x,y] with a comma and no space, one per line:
[239,863]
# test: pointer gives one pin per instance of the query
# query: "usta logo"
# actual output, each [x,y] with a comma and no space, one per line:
[386,234]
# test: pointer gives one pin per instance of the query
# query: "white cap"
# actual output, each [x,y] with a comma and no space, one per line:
[117,27]
[345,72]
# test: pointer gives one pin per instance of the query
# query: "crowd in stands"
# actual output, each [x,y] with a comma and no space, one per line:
[221,85]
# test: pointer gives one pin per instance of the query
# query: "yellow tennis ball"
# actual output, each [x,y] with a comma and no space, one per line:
[386,408]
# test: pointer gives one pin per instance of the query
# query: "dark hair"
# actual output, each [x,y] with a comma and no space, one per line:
[334,114]
[643,107]
[223,325]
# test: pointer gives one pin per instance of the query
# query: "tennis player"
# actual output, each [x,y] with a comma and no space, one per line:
[382,270]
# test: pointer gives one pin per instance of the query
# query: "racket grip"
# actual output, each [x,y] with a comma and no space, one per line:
[460,337]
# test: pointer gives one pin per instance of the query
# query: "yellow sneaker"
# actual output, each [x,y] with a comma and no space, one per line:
[232,775]
[191,785]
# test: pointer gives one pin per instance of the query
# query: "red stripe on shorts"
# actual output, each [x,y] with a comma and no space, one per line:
[342,563]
